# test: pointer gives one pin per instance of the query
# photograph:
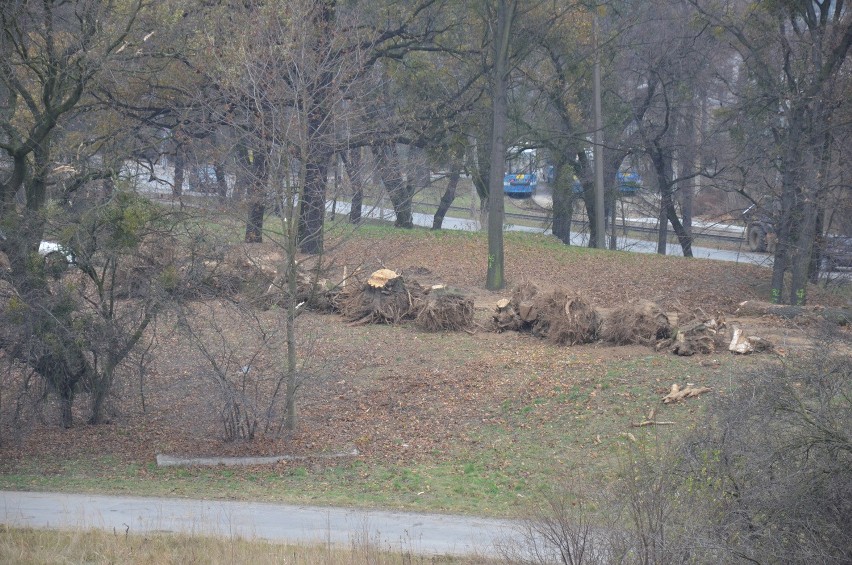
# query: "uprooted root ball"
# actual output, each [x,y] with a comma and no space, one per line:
[445,310]
[384,299]
[641,322]
[565,319]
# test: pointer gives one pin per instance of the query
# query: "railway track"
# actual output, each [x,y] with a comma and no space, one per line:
[543,219]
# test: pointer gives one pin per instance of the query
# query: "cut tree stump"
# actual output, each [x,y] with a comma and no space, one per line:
[382,278]
[706,336]
[384,299]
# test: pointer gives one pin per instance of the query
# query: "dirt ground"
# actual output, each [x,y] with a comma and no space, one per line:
[396,393]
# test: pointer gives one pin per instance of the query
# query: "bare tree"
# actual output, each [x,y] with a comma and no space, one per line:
[791,87]
[61,135]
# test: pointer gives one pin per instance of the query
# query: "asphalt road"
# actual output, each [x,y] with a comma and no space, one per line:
[426,534]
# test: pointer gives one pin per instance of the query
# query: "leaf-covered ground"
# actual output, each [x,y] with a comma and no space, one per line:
[468,421]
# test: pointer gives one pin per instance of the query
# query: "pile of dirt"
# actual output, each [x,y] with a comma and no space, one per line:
[640,323]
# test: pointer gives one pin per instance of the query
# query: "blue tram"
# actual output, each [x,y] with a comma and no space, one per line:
[519,185]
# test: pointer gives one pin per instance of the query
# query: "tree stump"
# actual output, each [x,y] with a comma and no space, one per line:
[383,299]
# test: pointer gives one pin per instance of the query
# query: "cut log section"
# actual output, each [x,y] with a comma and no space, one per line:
[743,344]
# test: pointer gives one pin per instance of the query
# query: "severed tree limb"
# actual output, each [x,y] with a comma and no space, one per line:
[678,393]
[650,423]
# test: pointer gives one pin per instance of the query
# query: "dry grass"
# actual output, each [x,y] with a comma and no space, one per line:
[30,546]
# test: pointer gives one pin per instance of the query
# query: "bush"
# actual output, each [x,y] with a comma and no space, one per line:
[768,479]
[775,462]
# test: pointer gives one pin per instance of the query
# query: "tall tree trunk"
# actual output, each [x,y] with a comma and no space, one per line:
[320,142]
[180,170]
[690,162]
[818,247]
[221,181]
[683,236]
[255,175]
[788,224]
[613,218]
[662,162]
[801,254]
[312,211]
[495,275]
[663,220]
[66,403]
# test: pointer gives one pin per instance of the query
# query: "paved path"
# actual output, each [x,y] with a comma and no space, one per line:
[430,534]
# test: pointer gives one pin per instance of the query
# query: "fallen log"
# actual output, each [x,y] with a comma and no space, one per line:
[838,316]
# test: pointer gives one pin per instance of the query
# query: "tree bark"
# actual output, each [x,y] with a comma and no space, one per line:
[563,199]
[495,276]
[448,196]
[352,161]
[399,191]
